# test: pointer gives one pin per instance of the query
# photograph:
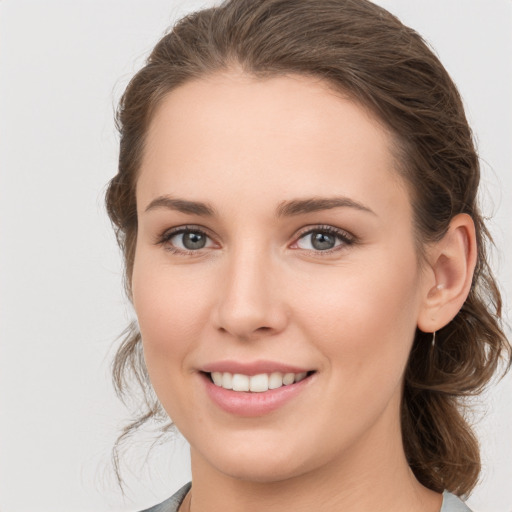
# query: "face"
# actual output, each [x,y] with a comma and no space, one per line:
[275,250]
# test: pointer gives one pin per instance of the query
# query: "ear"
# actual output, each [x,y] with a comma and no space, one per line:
[449,273]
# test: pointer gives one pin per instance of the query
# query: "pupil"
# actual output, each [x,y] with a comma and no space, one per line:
[194,240]
[323,241]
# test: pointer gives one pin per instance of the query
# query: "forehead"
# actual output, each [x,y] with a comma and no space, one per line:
[283,136]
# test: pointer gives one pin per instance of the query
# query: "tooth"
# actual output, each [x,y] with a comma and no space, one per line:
[240,382]
[258,383]
[300,376]
[227,380]
[275,380]
[289,378]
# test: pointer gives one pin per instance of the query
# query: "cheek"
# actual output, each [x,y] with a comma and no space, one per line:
[171,307]
[365,319]
[171,312]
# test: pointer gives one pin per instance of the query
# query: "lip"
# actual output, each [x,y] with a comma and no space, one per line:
[247,404]
[252,368]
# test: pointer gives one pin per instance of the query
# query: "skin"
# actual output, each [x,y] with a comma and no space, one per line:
[260,290]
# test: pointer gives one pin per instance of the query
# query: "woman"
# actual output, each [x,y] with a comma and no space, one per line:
[296,202]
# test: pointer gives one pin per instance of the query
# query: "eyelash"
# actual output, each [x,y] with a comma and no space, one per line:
[346,239]
[166,236]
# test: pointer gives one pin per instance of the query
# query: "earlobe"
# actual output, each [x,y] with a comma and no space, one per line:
[452,262]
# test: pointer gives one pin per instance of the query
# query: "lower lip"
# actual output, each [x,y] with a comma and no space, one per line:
[249,404]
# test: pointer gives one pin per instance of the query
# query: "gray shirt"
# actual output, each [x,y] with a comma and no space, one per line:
[450,502]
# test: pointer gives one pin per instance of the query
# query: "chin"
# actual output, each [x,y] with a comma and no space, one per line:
[266,473]
[260,465]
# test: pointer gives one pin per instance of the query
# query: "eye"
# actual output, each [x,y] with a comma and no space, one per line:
[185,240]
[189,240]
[324,239]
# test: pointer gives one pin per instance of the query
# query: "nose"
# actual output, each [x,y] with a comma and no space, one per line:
[250,303]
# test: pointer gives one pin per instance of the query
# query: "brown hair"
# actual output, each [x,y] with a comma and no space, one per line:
[365,52]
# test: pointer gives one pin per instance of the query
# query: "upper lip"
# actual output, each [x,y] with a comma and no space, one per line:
[252,368]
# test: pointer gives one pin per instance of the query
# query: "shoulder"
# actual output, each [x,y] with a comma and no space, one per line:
[453,504]
[172,504]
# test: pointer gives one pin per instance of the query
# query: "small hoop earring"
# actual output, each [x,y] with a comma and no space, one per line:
[433,339]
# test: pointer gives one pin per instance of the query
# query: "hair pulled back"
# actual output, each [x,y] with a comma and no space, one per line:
[363,51]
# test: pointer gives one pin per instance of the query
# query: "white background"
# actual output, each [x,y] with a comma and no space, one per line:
[63,65]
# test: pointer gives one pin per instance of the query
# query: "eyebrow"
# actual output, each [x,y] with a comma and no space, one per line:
[182,205]
[285,208]
[315,204]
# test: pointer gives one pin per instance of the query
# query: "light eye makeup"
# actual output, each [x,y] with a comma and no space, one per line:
[185,240]
[323,240]
[319,240]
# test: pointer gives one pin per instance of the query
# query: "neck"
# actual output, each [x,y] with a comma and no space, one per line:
[372,476]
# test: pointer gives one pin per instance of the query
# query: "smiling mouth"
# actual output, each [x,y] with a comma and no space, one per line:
[255,383]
